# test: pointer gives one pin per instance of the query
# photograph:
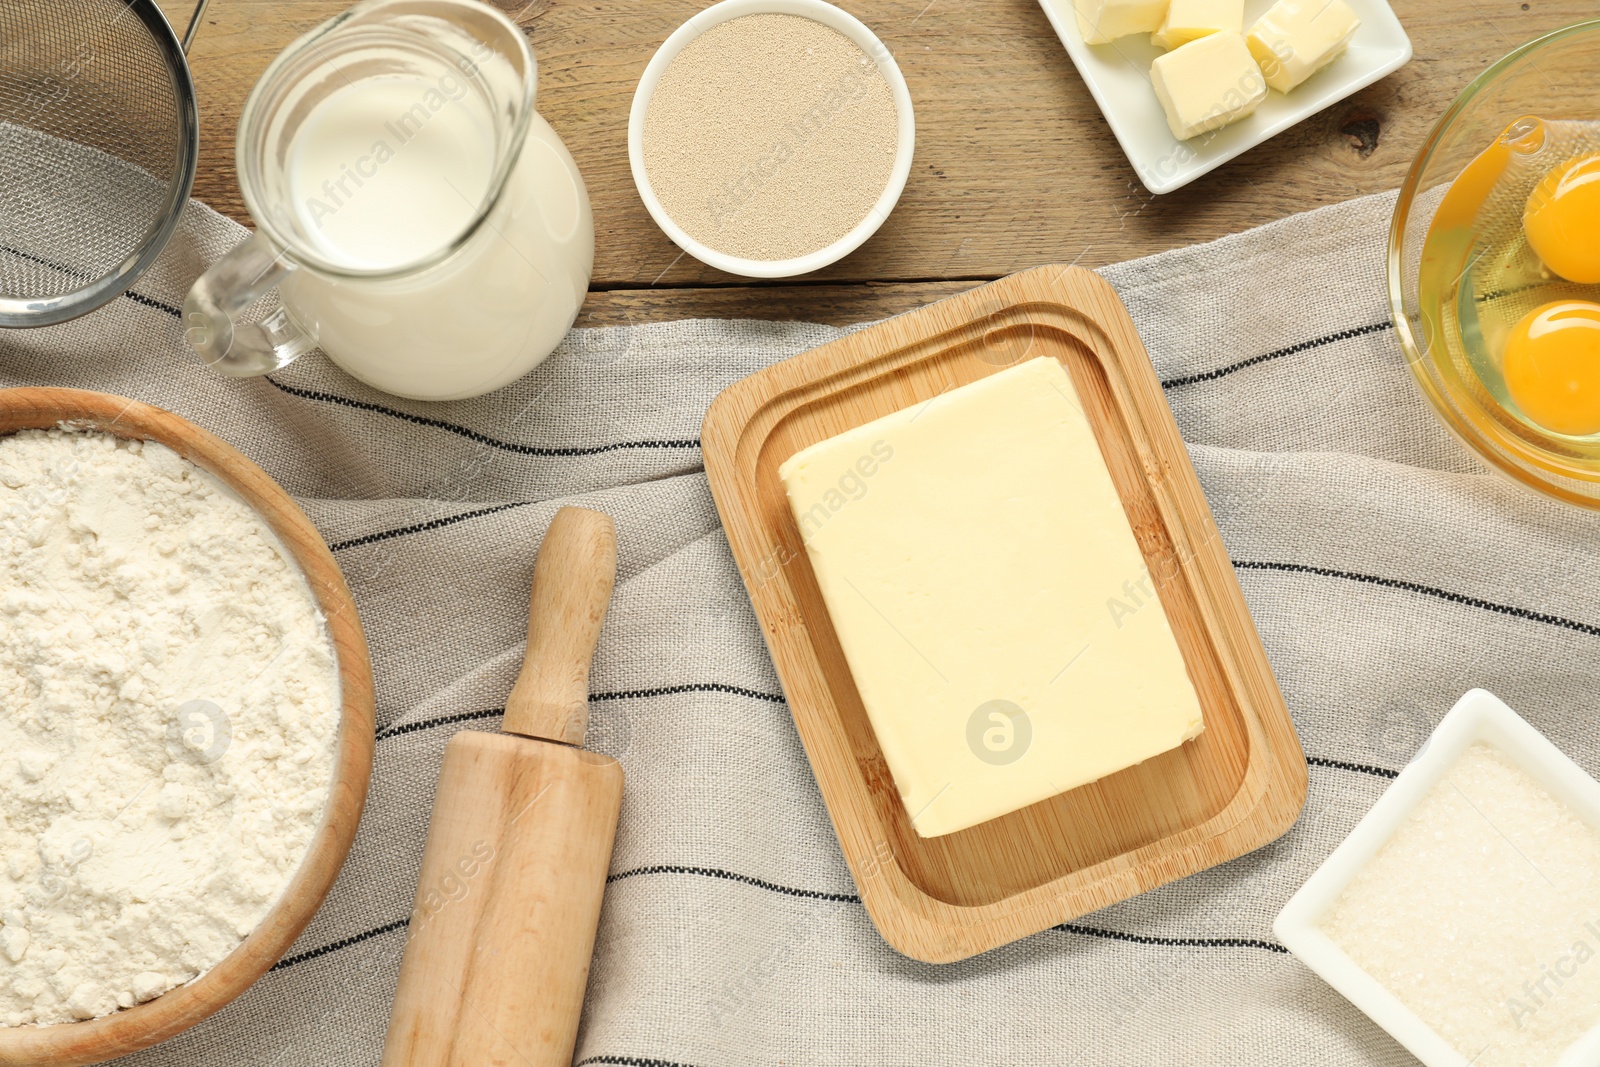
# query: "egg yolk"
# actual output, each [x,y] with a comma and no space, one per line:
[1562,220]
[1552,366]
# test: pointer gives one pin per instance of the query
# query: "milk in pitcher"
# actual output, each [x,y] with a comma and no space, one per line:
[419,220]
[387,170]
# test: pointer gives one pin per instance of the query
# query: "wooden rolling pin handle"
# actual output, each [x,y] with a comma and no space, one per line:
[571,587]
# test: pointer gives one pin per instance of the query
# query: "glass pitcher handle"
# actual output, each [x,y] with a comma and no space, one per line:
[237,280]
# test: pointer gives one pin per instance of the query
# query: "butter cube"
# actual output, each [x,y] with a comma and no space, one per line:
[1189,20]
[1297,38]
[1103,21]
[1207,83]
[981,572]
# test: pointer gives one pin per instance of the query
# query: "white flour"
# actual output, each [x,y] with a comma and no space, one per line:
[168,712]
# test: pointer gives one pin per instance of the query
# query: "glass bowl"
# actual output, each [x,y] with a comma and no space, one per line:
[1551,78]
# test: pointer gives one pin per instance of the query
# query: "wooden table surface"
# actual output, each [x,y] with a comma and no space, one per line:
[1014,164]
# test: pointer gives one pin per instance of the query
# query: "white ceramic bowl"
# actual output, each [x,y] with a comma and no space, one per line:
[1478,718]
[829,16]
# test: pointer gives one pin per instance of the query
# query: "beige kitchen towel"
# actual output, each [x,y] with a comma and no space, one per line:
[1387,571]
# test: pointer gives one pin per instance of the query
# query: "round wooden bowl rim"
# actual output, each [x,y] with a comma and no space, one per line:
[138,1027]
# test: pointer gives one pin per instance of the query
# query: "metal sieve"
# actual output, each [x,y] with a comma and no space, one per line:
[99,134]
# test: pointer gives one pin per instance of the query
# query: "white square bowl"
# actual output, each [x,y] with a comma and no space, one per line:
[1118,76]
[1478,718]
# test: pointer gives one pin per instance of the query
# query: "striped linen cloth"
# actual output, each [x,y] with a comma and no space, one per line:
[1387,571]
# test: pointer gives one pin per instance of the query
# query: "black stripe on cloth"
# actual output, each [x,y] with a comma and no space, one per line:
[1175,942]
[60,268]
[137,298]
[474,435]
[715,872]
[626,1061]
[443,720]
[695,687]
[1426,590]
[849,898]
[432,524]
[1302,346]
[1359,768]
[152,302]
[343,942]
[622,694]
[1501,294]
[816,894]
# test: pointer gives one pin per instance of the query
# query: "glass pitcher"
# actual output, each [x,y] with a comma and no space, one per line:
[420,222]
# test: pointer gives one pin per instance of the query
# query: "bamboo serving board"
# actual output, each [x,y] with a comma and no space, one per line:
[1237,786]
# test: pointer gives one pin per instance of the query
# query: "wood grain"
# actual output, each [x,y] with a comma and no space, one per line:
[69,1044]
[507,905]
[1238,785]
[1014,164]
[514,872]
[571,589]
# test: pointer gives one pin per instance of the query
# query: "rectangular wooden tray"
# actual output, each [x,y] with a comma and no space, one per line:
[1237,786]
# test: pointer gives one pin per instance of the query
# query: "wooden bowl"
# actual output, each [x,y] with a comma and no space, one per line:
[132,1029]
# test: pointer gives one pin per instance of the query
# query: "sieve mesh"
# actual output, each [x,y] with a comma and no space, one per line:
[86,88]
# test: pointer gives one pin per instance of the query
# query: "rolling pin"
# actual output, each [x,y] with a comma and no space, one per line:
[508,902]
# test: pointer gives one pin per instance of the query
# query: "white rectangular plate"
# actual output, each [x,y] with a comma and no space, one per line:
[1478,718]
[1118,76]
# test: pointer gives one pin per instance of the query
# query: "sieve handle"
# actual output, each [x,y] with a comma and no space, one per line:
[212,308]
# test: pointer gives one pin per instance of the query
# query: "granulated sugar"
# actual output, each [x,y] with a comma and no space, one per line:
[1482,914]
[770,136]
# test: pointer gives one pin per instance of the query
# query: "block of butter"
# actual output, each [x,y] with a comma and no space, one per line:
[1297,38]
[991,601]
[1188,20]
[1207,83]
[1103,21]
